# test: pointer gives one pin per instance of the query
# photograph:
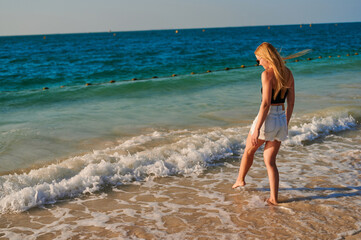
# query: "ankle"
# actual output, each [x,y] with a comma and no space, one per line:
[272,201]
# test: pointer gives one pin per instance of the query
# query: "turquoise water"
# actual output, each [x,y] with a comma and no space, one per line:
[40,127]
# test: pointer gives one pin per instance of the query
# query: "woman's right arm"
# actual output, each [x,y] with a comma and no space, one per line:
[290,98]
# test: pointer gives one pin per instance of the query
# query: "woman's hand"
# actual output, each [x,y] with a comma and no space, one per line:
[254,137]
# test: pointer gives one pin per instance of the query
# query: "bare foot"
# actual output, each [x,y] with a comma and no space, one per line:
[271,202]
[239,184]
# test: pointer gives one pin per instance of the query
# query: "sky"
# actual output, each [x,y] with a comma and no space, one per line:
[26,17]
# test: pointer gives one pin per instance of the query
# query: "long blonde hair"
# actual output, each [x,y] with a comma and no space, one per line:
[269,53]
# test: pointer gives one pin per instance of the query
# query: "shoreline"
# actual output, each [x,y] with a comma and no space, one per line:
[190,207]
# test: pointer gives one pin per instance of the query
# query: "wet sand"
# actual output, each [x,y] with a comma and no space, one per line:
[202,207]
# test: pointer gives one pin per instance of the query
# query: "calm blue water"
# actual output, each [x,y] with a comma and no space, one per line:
[30,62]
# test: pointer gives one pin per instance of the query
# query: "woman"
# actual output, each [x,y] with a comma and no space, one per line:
[270,125]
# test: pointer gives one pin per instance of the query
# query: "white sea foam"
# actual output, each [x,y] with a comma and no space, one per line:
[186,153]
[319,127]
[255,202]
[350,233]
[91,172]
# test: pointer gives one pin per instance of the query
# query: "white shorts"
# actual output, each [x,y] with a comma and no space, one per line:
[274,127]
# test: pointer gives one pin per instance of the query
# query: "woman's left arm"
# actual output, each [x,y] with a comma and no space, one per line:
[290,99]
[265,105]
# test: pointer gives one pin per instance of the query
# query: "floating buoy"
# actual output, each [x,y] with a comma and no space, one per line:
[208,71]
[301,26]
[203,30]
[269,27]
[336,24]
[44,37]
[114,34]
[310,25]
[176,31]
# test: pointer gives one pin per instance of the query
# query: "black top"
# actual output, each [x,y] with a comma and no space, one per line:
[278,99]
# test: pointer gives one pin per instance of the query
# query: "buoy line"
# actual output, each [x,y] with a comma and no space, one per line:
[191,73]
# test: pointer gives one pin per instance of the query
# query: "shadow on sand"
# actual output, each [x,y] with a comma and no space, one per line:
[337,193]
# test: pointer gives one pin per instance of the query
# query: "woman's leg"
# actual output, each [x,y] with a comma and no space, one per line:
[247,160]
[270,152]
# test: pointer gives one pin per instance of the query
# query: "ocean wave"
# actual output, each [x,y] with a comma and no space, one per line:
[189,154]
[143,157]
[319,127]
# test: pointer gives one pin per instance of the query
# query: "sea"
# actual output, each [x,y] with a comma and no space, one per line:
[139,135]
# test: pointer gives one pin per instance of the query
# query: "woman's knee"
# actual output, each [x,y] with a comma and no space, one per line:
[269,161]
[250,151]
[270,157]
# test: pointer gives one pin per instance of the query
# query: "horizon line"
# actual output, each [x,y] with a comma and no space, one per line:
[169,29]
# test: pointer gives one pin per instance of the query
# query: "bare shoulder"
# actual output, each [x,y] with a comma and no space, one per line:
[267,75]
